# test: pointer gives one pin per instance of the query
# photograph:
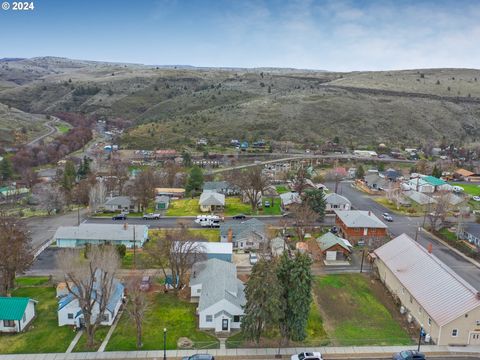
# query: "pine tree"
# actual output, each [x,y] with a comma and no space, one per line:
[195,180]
[264,308]
[6,169]
[437,172]
[69,176]
[360,172]
[316,200]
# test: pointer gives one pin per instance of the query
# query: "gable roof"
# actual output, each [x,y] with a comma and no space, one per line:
[118,200]
[244,228]
[209,198]
[437,288]
[219,281]
[464,172]
[360,218]
[432,180]
[335,199]
[329,240]
[290,198]
[13,308]
[106,232]
[420,198]
[216,185]
[162,199]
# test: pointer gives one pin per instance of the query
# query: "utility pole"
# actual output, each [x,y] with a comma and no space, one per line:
[363,257]
[134,250]
[78,215]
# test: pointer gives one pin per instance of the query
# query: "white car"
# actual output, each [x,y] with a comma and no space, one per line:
[307,356]
[253,258]
[476,198]
[151,216]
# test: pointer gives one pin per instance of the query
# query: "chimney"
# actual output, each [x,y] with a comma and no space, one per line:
[478,295]
[125,226]
[230,235]
[430,248]
[369,213]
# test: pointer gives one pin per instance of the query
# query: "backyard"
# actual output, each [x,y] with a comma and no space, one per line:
[354,315]
[233,206]
[470,189]
[43,335]
[165,311]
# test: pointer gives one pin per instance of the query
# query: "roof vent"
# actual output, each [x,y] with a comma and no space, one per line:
[125,226]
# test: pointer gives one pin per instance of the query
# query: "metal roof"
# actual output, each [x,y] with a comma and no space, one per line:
[241,230]
[329,240]
[335,199]
[290,198]
[13,308]
[443,294]
[104,232]
[208,247]
[119,200]
[360,219]
[432,180]
[419,198]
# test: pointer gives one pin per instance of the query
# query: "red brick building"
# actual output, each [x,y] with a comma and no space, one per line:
[359,225]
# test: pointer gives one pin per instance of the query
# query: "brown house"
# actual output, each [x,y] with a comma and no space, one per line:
[359,225]
[333,248]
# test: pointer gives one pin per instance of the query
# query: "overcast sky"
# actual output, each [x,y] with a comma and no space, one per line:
[313,34]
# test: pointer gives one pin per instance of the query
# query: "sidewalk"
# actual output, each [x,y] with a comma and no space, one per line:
[359,352]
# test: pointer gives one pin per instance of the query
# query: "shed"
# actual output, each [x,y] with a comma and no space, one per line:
[334,247]
[162,202]
[16,313]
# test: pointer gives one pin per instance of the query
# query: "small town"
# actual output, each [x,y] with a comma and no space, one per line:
[248,206]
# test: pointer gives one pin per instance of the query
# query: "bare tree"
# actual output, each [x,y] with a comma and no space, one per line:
[300,180]
[143,189]
[137,305]
[51,198]
[119,172]
[15,251]
[97,196]
[252,183]
[303,219]
[176,253]
[438,211]
[91,282]
[335,176]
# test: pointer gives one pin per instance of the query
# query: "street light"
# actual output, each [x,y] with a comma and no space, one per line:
[164,343]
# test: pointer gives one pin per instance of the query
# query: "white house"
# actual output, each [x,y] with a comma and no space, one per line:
[334,202]
[211,201]
[16,313]
[220,295]
[70,313]
[116,203]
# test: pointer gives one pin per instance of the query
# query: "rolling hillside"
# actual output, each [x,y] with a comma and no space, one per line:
[174,106]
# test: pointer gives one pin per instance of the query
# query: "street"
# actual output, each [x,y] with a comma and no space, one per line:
[409,225]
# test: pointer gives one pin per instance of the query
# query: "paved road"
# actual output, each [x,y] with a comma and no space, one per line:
[409,225]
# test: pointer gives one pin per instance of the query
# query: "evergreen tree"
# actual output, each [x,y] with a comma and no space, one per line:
[360,172]
[264,308]
[187,159]
[437,172]
[195,180]
[69,176]
[84,168]
[316,200]
[6,169]
[381,166]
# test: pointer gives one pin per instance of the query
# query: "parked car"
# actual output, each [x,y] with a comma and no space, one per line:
[239,217]
[151,216]
[119,217]
[334,230]
[408,355]
[267,203]
[307,356]
[476,198]
[253,258]
[145,283]
[199,357]
[458,189]
[387,217]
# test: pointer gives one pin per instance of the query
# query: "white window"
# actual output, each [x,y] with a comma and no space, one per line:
[8,323]
[455,332]
[209,318]
[70,316]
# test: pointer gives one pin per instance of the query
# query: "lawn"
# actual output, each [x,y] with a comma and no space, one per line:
[43,335]
[413,210]
[316,335]
[233,206]
[354,315]
[165,311]
[100,335]
[63,128]
[282,189]
[470,189]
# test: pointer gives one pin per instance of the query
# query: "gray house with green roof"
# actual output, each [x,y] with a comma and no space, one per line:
[16,313]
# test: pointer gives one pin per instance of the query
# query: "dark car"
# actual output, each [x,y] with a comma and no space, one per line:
[119,217]
[199,357]
[408,355]
[239,217]
[145,283]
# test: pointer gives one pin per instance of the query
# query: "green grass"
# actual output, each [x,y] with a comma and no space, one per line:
[413,210]
[470,189]
[282,189]
[354,314]
[165,311]
[184,207]
[43,335]
[62,128]
[448,235]
[100,335]
[32,281]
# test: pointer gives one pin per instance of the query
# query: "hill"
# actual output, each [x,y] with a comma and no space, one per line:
[173,106]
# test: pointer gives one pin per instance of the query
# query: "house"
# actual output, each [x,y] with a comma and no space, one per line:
[97,234]
[16,313]
[211,201]
[365,153]
[288,199]
[222,187]
[162,202]
[462,174]
[430,292]
[250,234]
[213,250]
[220,295]
[392,174]
[334,248]
[376,182]
[334,202]
[278,246]
[428,184]
[360,225]
[119,203]
[12,192]
[174,193]
[70,313]
[471,233]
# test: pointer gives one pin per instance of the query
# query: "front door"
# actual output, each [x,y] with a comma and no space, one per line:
[474,338]
[224,324]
